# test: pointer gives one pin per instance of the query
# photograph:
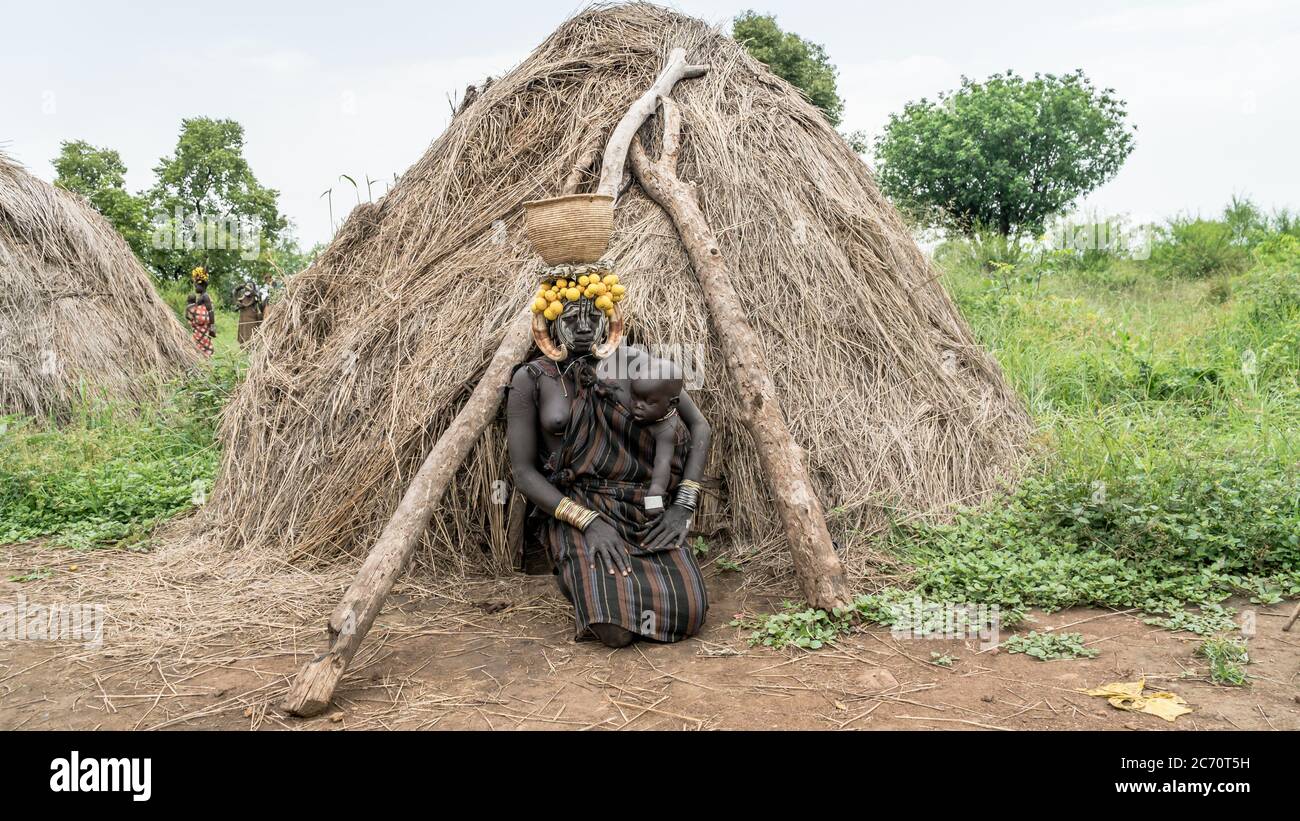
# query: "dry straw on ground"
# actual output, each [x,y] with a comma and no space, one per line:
[379,342]
[79,316]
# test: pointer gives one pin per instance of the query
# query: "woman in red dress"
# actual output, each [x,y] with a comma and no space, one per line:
[199,313]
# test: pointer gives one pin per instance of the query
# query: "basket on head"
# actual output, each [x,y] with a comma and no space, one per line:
[572,230]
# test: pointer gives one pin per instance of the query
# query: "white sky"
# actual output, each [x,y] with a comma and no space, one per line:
[325,88]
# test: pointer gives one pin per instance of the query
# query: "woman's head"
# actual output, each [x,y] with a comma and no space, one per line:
[575,312]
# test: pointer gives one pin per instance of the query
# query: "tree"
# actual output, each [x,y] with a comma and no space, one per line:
[1005,154]
[209,208]
[793,59]
[99,175]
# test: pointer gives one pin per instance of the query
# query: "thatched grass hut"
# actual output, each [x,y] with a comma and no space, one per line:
[379,342]
[79,316]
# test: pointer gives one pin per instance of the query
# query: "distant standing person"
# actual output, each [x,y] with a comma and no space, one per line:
[199,312]
[251,312]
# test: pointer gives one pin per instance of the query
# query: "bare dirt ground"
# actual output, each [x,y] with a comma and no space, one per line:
[501,657]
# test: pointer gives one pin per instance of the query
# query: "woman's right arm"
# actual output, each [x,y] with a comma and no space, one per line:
[521,438]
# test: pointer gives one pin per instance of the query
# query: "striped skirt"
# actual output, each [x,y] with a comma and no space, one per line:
[663,598]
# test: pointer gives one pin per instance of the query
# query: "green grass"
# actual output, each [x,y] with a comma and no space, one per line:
[109,475]
[1170,475]
[1168,410]
[1228,658]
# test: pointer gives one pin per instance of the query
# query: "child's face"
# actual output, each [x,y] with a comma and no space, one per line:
[652,399]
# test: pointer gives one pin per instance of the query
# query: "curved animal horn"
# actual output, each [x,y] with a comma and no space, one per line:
[614,336]
[542,336]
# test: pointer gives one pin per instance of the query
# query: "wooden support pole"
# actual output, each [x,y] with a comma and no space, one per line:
[1294,616]
[611,167]
[821,576]
[314,687]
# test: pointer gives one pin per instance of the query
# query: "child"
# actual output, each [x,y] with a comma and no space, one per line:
[654,403]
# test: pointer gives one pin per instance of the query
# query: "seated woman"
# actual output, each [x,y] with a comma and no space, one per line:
[582,459]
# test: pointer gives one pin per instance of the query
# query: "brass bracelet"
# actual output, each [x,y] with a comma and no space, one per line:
[573,513]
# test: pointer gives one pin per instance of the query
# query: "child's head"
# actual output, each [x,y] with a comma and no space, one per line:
[190,299]
[656,390]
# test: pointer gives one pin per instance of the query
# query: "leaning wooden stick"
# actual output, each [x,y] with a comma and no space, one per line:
[312,690]
[611,168]
[1294,616]
[821,576]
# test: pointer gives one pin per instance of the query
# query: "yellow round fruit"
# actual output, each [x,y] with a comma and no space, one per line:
[617,298]
[560,283]
[617,290]
[600,288]
[552,312]
[539,305]
[584,279]
[573,294]
[604,303]
[610,279]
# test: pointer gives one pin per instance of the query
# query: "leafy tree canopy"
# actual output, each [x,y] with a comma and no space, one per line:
[209,208]
[1004,154]
[99,175]
[793,59]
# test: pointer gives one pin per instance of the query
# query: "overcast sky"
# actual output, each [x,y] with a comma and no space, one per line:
[325,88]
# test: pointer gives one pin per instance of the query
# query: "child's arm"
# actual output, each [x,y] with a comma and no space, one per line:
[665,434]
[673,525]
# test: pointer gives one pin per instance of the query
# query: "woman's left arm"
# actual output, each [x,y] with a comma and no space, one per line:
[672,527]
[701,437]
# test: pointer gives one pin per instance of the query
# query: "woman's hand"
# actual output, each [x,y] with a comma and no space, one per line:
[605,544]
[670,530]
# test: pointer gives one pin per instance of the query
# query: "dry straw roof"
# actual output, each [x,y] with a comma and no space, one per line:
[79,316]
[381,340]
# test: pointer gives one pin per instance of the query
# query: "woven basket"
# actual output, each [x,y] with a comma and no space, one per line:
[573,230]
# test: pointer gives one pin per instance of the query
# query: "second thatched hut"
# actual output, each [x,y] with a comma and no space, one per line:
[79,316]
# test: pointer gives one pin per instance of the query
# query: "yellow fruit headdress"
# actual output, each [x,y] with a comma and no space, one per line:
[199,274]
[563,284]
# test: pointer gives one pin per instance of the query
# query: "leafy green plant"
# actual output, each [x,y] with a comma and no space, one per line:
[1200,248]
[1211,618]
[700,547]
[1049,646]
[1149,540]
[1228,658]
[793,626]
[33,576]
[727,564]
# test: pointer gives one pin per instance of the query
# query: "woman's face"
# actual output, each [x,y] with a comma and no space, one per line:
[578,326]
